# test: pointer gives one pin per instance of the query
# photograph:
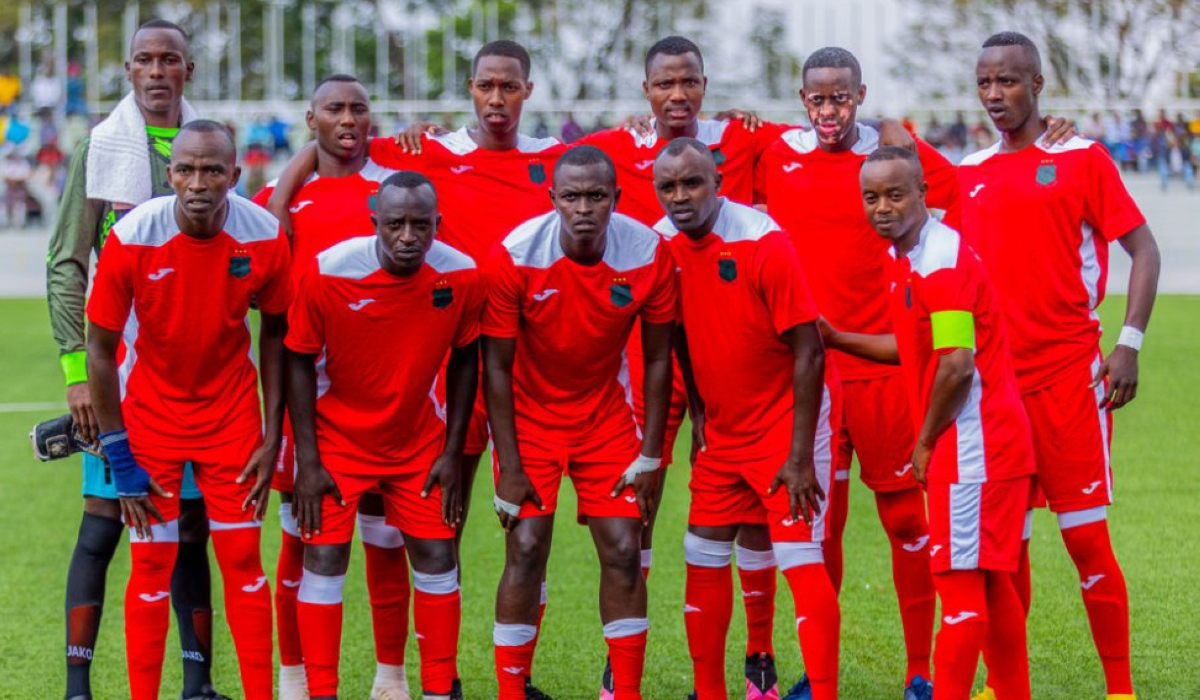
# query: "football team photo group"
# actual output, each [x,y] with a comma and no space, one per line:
[762,310]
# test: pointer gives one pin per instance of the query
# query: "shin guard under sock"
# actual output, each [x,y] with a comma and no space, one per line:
[514,653]
[319,615]
[903,517]
[1105,597]
[626,641]
[288,575]
[832,546]
[191,597]
[86,576]
[437,617]
[247,603]
[960,638]
[148,606]
[707,610]
[818,621]
[1004,642]
[757,574]
[387,586]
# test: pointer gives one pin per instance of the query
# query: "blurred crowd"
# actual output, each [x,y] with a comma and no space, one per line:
[40,128]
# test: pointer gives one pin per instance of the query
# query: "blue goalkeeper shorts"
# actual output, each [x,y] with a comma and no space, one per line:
[98,481]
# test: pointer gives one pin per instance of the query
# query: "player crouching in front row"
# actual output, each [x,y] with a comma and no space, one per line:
[176,280]
[364,415]
[974,447]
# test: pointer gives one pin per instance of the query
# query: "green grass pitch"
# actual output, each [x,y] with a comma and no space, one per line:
[1154,528]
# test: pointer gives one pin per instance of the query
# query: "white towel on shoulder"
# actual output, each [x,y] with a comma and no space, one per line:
[118,161]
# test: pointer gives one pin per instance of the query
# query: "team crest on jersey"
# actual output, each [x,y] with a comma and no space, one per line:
[718,157]
[727,266]
[537,173]
[620,292]
[239,264]
[1047,174]
[443,294]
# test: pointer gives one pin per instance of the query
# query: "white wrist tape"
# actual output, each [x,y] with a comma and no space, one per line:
[641,465]
[1131,338]
[503,506]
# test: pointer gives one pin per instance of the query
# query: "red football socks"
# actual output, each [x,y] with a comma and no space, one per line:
[287,584]
[514,653]
[1105,598]
[387,586]
[319,612]
[757,572]
[707,609]
[960,638]
[437,617]
[148,608]
[836,520]
[903,517]
[1004,643]
[818,623]
[627,651]
[247,603]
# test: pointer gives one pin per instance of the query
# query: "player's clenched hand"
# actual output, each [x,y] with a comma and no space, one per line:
[1058,131]
[512,490]
[79,402]
[312,485]
[136,511]
[1121,368]
[750,120]
[921,456]
[261,466]
[409,140]
[805,494]
[643,476]
[446,473]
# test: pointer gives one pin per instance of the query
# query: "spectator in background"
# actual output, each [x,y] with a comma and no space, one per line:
[541,130]
[981,134]
[279,135]
[571,131]
[76,99]
[10,87]
[15,172]
[1096,131]
[46,91]
[1172,156]
[44,185]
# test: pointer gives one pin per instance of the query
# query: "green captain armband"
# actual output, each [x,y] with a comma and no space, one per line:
[952,329]
[74,367]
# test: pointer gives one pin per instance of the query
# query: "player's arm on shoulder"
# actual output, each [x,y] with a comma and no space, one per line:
[799,473]
[410,138]
[294,175]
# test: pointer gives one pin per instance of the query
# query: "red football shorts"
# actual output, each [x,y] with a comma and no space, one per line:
[594,459]
[478,437]
[400,486]
[977,526]
[637,379]
[1071,439]
[876,425]
[216,468]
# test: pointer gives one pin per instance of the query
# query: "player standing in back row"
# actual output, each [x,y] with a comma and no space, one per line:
[1042,218]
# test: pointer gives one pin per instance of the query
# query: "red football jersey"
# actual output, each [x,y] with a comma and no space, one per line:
[187,378]
[482,195]
[815,196]
[572,321]
[327,211]
[941,299]
[382,340]
[735,149]
[1041,220]
[740,288]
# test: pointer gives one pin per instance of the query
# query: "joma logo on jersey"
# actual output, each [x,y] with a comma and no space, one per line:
[621,293]
[537,173]
[1047,174]
[239,264]
[727,266]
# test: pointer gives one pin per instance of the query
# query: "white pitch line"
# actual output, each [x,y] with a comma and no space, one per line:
[31,407]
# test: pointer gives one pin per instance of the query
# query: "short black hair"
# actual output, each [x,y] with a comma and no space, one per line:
[506,48]
[406,180]
[678,145]
[586,155]
[885,153]
[1016,39]
[336,78]
[162,24]
[673,46]
[833,57]
[208,126]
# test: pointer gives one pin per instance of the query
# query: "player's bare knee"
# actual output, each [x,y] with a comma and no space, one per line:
[327,559]
[102,507]
[435,556]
